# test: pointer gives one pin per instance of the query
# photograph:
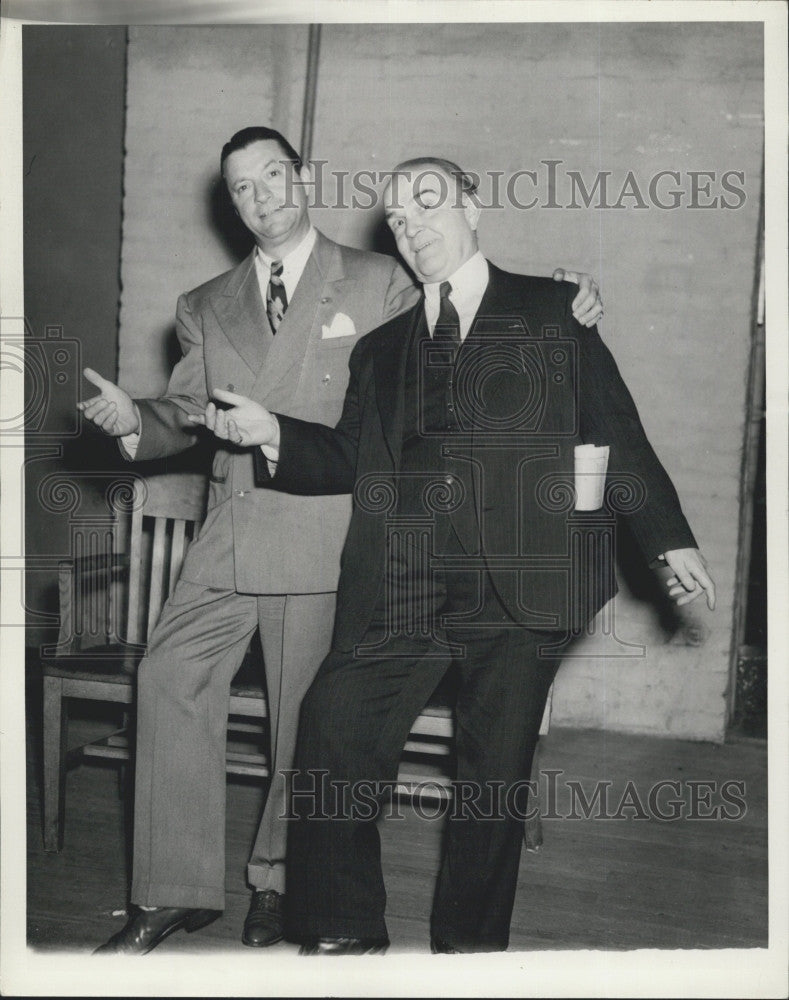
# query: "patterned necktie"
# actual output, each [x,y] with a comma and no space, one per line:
[447,326]
[276,296]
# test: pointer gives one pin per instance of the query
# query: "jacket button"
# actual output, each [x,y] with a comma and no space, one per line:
[240,493]
[325,299]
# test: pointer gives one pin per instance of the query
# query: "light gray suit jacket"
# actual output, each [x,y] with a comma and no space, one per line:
[259,541]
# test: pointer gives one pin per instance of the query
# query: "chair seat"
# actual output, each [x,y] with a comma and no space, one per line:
[116,663]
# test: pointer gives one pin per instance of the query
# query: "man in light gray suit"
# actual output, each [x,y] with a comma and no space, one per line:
[278,328]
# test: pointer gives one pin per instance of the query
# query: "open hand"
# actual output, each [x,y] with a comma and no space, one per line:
[245,422]
[587,304]
[113,410]
[690,578]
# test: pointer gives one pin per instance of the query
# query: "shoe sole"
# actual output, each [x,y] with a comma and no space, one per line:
[378,949]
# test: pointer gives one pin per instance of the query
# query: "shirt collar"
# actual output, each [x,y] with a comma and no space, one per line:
[298,256]
[468,282]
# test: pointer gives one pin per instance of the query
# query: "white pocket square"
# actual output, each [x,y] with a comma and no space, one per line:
[340,326]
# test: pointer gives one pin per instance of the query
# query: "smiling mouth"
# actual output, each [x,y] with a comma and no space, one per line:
[424,246]
[269,212]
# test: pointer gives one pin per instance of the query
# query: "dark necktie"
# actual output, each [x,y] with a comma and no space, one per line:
[447,326]
[276,296]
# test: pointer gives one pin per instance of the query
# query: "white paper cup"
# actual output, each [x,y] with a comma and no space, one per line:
[591,463]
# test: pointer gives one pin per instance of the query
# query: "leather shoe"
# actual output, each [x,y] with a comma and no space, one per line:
[440,947]
[147,928]
[344,946]
[264,923]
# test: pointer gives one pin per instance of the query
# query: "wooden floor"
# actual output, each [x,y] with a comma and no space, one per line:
[596,883]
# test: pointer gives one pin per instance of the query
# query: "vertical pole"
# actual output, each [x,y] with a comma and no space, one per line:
[310,91]
[754,414]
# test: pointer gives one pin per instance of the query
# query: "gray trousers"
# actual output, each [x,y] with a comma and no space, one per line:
[182,703]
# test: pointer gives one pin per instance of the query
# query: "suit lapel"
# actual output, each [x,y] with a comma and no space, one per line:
[498,310]
[490,319]
[390,376]
[241,313]
[301,322]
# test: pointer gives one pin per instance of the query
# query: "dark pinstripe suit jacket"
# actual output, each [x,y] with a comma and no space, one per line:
[530,384]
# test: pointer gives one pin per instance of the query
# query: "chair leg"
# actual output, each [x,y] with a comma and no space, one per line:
[55,726]
[123,769]
[532,828]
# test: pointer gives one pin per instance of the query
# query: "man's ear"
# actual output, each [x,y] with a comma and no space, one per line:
[471,209]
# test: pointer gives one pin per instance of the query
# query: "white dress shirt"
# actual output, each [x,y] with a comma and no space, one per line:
[468,286]
[293,265]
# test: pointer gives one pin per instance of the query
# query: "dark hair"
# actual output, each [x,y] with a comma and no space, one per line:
[467,182]
[258,133]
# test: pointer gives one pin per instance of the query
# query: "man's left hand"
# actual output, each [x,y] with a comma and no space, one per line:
[587,304]
[690,578]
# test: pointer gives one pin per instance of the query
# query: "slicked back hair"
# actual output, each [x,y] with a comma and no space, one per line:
[259,133]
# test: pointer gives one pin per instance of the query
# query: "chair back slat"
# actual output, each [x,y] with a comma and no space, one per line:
[118,587]
[177,551]
[156,593]
[114,586]
[68,623]
[174,505]
[133,630]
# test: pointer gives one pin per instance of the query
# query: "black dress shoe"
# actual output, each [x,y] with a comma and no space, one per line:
[264,923]
[440,947]
[344,946]
[147,928]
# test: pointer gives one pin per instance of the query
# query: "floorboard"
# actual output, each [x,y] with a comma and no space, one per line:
[596,883]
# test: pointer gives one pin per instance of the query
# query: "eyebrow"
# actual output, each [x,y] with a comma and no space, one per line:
[422,191]
[266,165]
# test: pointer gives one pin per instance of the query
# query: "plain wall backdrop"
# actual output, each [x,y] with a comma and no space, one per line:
[677,284]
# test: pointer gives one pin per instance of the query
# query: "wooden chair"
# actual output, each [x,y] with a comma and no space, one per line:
[111,594]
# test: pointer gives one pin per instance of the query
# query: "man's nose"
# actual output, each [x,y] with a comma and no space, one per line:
[262,192]
[412,226]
